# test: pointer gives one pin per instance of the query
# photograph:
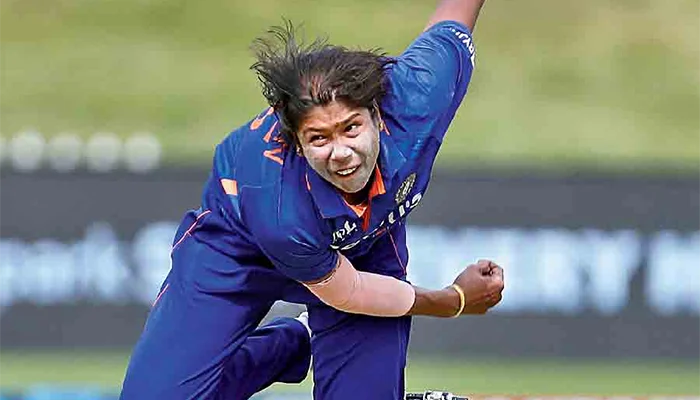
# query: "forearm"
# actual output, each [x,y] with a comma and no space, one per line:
[464,11]
[357,292]
[436,303]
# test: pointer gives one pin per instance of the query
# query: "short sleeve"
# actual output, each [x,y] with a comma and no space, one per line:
[293,241]
[298,255]
[427,83]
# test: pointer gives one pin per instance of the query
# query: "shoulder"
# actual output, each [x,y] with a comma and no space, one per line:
[282,209]
[288,229]
[253,153]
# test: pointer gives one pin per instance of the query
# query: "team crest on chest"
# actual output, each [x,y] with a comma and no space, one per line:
[405,188]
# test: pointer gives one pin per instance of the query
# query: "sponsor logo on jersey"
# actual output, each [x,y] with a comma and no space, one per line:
[395,215]
[467,40]
[344,232]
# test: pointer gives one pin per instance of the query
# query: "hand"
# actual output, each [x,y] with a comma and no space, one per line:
[482,284]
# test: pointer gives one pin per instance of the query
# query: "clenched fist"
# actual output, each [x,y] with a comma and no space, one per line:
[482,284]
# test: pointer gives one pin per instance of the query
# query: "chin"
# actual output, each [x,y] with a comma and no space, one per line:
[358,187]
[352,190]
[347,187]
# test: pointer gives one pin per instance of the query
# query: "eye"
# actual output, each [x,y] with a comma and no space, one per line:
[317,140]
[352,127]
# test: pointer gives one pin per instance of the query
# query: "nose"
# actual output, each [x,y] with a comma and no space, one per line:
[340,152]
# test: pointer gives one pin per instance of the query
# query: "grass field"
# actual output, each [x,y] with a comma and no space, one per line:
[593,84]
[486,376]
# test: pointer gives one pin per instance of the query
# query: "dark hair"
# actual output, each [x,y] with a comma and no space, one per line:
[296,76]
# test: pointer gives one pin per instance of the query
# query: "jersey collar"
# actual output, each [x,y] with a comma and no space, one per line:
[329,200]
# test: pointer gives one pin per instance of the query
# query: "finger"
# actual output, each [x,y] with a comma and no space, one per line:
[498,275]
[498,271]
[496,284]
[495,299]
[484,267]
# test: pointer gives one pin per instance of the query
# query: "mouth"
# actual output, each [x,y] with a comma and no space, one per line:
[347,171]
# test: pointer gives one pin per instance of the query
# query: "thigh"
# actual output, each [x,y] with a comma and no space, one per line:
[358,356]
[200,318]
[279,351]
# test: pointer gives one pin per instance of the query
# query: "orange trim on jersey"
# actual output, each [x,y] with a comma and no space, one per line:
[189,230]
[271,154]
[268,135]
[260,119]
[396,251]
[359,209]
[308,184]
[378,184]
[230,186]
[363,210]
[160,295]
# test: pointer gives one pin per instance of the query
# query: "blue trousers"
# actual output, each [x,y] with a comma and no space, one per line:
[202,338]
[358,357]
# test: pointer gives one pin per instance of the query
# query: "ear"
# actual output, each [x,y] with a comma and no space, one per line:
[377,116]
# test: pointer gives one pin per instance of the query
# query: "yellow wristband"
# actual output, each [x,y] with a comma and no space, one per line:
[462,299]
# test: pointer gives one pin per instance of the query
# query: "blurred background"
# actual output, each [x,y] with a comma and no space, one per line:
[574,162]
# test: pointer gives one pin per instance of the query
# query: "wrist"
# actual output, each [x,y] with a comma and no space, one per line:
[443,303]
[462,299]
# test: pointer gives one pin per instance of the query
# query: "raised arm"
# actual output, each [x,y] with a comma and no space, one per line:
[475,290]
[464,11]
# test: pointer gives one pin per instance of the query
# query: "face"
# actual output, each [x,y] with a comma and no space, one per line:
[341,144]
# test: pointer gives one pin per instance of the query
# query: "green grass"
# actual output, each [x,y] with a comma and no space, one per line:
[571,377]
[19,370]
[559,84]
[469,376]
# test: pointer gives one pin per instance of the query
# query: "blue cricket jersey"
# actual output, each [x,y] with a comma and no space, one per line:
[266,206]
